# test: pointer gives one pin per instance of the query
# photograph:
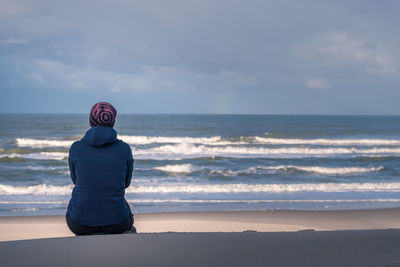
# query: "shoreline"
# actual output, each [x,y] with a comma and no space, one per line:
[37,227]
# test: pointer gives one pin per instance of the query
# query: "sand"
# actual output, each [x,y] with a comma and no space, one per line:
[332,248]
[246,238]
[33,227]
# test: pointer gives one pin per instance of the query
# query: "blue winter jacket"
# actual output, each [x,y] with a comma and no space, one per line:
[101,168]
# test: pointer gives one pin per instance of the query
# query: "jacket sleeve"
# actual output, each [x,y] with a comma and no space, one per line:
[71,166]
[129,170]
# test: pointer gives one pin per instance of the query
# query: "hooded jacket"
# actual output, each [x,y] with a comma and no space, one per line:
[101,168]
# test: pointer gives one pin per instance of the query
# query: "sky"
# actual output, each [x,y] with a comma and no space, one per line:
[224,57]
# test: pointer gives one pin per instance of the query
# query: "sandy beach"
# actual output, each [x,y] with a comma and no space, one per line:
[245,238]
[34,227]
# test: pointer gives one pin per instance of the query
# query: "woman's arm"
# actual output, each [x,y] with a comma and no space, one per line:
[129,171]
[71,166]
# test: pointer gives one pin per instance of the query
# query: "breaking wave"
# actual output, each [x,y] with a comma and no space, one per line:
[146,140]
[216,146]
[329,171]
[311,169]
[267,188]
[329,142]
[260,200]
[179,168]
[45,168]
[216,140]
[44,189]
[192,151]
[38,155]
[157,200]
[40,143]
[189,168]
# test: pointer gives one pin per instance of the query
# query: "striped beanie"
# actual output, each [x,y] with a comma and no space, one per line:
[102,114]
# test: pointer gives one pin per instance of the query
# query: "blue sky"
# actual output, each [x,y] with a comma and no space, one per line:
[258,57]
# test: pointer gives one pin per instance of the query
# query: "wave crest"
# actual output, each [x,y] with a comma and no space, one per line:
[268,188]
[44,189]
[38,156]
[216,140]
[146,140]
[192,151]
[179,168]
[189,168]
[330,142]
[311,169]
[40,143]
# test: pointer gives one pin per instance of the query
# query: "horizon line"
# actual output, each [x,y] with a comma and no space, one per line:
[220,114]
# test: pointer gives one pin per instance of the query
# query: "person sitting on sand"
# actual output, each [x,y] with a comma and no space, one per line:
[101,168]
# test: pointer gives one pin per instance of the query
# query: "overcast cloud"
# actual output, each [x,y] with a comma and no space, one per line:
[268,57]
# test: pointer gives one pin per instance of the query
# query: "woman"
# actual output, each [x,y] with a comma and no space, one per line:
[101,168]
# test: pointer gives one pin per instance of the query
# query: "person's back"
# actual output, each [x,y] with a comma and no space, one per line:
[101,168]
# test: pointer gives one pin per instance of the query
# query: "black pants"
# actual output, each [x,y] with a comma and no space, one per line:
[108,229]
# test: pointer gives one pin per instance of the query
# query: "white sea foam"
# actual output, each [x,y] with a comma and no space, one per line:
[261,200]
[41,189]
[189,168]
[243,140]
[24,210]
[45,168]
[38,155]
[268,188]
[327,170]
[311,169]
[216,141]
[44,189]
[7,202]
[40,143]
[189,150]
[178,168]
[174,200]
[330,142]
[130,139]
[145,140]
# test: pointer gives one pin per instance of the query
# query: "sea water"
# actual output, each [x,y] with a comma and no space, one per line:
[211,162]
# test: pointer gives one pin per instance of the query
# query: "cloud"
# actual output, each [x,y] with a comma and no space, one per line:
[57,74]
[13,40]
[316,83]
[96,54]
[349,51]
[115,89]
[36,77]
[146,79]
[188,52]
[343,47]
[168,82]
[385,65]
[79,85]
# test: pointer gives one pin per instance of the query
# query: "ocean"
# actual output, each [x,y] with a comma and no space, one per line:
[211,162]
